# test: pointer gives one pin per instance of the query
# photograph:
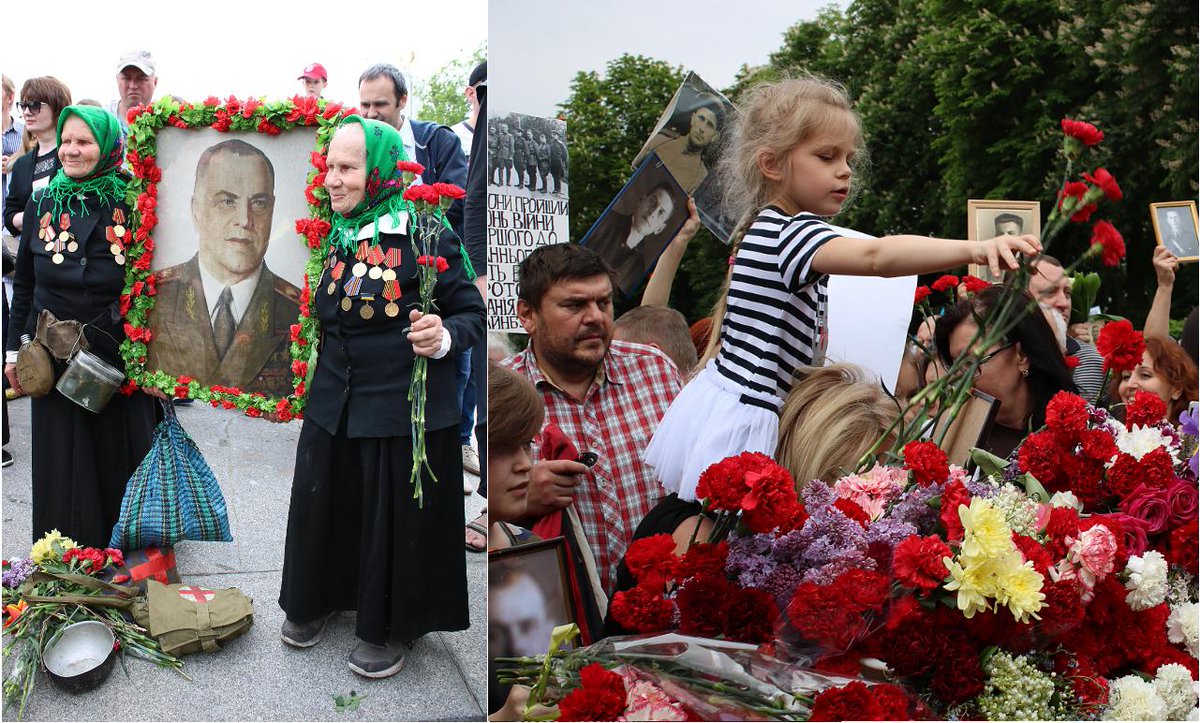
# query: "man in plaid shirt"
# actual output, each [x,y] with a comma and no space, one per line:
[606,396]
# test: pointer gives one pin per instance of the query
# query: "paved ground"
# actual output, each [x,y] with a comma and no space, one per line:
[257,677]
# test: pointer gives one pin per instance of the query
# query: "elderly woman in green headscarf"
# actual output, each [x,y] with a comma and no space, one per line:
[357,538]
[71,262]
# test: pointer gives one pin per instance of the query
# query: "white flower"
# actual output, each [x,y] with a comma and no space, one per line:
[1147,584]
[1132,698]
[1173,683]
[1193,714]
[1066,499]
[1184,627]
[1141,440]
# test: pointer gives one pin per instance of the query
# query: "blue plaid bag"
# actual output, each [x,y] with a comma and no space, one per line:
[172,496]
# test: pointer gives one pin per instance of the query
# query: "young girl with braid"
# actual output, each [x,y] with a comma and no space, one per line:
[790,165]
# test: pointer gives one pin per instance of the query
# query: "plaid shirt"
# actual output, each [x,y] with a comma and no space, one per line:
[616,420]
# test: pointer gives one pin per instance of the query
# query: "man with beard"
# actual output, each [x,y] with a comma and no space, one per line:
[631,244]
[606,396]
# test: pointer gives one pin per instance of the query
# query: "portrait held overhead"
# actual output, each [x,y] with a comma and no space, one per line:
[1175,228]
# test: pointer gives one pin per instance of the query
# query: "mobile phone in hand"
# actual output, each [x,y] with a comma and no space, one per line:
[588,458]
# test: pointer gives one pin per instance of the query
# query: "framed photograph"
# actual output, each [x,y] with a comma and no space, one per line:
[529,594]
[639,223]
[988,219]
[688,139]
[1175,228]
[970,428]
[227,231]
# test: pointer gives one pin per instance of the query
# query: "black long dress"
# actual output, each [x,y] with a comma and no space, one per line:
[81,460]
[357,540]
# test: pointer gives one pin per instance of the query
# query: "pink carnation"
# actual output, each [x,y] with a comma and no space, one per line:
[1095,551]
[874,490]
[646,701]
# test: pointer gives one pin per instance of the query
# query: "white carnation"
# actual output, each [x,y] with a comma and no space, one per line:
[1173,683]
[1131,698]
[1147,584]
[1140,440]
[1193,714]
[1066,499]
[1184,627]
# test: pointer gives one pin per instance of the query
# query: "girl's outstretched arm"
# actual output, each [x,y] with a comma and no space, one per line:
[906,254]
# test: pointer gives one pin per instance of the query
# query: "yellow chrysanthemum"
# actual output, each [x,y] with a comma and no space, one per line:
[985,533]
[1021,591]
[970,583]
[44,550]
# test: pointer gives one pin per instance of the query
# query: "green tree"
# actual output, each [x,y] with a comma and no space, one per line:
[442,99]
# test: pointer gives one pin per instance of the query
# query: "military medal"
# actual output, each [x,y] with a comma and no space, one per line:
[115,235]
[359,270]
[120,259]
[367,311]
[391,292]
[46,233]
[332,288]
[57,258]
[73,246]
[375,257]
[346,303]
[338,270]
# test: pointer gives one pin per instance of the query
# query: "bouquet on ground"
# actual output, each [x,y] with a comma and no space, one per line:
[57,585]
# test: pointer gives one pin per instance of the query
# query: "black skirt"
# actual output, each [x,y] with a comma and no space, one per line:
[357,540]
[82,462]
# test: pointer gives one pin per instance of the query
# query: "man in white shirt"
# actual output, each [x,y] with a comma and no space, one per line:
[223,317]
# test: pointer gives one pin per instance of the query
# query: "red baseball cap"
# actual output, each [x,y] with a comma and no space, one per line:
[314,71]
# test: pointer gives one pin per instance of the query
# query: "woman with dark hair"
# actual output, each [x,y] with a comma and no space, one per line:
[686,145]
[1022,371]
[1166,370]
[42,100]
[81,460]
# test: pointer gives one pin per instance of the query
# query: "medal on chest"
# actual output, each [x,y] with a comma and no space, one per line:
[117,236]
[57,241]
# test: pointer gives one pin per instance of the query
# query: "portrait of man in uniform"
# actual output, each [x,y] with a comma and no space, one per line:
[222,317]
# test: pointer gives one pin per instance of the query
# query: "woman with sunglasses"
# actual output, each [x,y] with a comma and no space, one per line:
[42,99]
[1023,371]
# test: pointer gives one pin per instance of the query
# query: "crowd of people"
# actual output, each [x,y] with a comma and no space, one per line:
[357,539]
[657,401]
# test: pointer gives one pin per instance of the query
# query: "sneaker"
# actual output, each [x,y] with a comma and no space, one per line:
[470,460]
[8,460]
[305,635]
[377,661]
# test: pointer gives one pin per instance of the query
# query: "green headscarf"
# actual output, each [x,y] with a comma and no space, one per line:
[384,187]
[105,182]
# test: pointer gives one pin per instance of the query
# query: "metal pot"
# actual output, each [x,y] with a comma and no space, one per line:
[81,656]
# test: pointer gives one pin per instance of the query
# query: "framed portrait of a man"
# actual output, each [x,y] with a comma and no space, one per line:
[529,594]
[1175,227]
[988,219]
[228,226]
[639,223]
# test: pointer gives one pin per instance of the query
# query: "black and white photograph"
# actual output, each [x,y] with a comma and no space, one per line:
[988,219]
[527,152]
[227,259]
[528,596]
[639,223]
[688,138]
[1175,228]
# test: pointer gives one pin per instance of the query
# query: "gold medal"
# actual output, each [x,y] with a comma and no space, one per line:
[367,311]
[346,303]
[389,275]
[43,233]
[332,287]
[375,272]
[359,270]
[115,249]
[392,309]
[120,259]
[57,258]
[119,230]
[72,247]
[49,246]
[64,236]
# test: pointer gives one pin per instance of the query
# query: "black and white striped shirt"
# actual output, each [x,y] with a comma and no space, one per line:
[775,317]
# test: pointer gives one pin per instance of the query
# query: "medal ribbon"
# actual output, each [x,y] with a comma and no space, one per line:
[353,285]
[338,270]
[391,290]
[375,256]
[393,258]
[361,254]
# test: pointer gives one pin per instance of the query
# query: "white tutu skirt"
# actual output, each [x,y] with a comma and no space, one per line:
[706,423]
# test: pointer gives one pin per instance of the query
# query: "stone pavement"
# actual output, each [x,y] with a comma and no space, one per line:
[258,677]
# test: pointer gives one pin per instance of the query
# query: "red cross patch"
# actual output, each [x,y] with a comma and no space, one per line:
[196,594]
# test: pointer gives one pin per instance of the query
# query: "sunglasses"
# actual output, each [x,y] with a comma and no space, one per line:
[33,107]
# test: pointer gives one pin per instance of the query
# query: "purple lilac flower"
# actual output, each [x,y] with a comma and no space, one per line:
[890,532]
[914,509]
[750,561]
[18,570]
[982,488]
[782,584]
[832,542]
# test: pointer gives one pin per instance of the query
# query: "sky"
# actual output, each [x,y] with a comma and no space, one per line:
[246,48]
[537,47]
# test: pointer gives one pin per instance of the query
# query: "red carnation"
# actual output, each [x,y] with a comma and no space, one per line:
[269,128]
[1105,181]
[927,462]
[945,283]
[1184,544]
[852,701]
[853,511]
[250,105]
[295,332]
[652,561]
[1098,445]
[974,284]
[722,484]
[917,562]
[1083,213]
[1072,362]
[770,497]
[1112,246]
[1145,409]
[1033,552]
[601,697]
[410,167]
[442,265]
[449,190]
[704,605]
[1072,189]
[642,610]
[922,293]
[704,559]
[1120,345]
[1067,418]
[751,615]
[954,496]
[300,368]
[1084,132]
